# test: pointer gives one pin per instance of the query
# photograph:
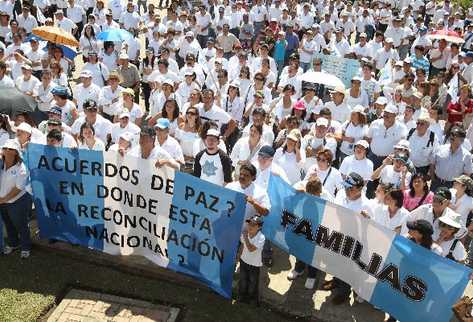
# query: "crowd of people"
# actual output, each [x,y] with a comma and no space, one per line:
[215,89]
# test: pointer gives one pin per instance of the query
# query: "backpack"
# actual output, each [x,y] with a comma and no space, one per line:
[430,142]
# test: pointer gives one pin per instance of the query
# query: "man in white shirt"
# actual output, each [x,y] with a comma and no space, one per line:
[65,23]
[26,20]
[101,125]
[204,22]
[167,142]
[98,69]
[125,126]
[76,13]
[86,90]
[383,55]
[423,142]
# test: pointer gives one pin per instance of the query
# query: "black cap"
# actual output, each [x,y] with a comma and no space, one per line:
[353,180]
[90,105]
[422,226]
[255,220]
[443,193]
[458,131]
[266,151]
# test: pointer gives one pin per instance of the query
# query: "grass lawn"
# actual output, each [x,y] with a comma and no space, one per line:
[30,288]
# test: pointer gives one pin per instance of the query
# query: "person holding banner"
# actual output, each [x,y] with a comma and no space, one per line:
[351,197]
[452,248]
[15,201]
[312,187]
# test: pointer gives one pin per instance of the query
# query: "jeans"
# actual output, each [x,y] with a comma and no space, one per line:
[249,282]
[300,266]
[267,253]
[146,93]
[142,3]
[16,217]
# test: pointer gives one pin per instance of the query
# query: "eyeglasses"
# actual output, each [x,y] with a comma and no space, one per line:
[322,160]
[421,123]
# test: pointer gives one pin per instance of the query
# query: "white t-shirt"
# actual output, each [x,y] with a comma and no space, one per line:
[215,114]
[356,132]
[331,179]
[388,175]
[258,193]
[362,167]
[383,218]
[253,258]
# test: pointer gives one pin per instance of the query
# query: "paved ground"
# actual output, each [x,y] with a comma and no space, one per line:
[84,306]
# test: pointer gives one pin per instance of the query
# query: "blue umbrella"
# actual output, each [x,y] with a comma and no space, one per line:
[114,34]
[68,51]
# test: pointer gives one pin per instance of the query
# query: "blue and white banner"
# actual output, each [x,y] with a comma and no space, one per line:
[393,273]
[126,206]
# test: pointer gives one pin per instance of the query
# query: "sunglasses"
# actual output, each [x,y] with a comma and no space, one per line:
[191,113]
[322,160]
[259,79]
[421,123]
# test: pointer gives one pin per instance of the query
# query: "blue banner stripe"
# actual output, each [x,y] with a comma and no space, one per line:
[224,209]
[445,282]
[285,198]
[58,216]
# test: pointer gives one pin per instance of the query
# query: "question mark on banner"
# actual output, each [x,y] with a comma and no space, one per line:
[231,207]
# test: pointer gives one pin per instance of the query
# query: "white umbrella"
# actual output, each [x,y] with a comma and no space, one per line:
[322,78]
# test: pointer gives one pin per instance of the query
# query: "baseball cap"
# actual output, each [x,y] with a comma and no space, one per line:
[443,193]
[90,105]
[390,108]
[458,131]
[255,220]
[25,127]
[12,144]
[189,34]
[60,91]
[124,114]
[452,219]
[299,105]
[464,180]
[363,143]
[294,135]
[381,100]
[338,89]
[55,110]
[128,91]
[266,151]
[321,121]
[127,136]
[26,66]
[422,226]
[353,180]
[213,132]
[403,145]
[124,56]
[163,123]
[86,74]
[389,40]
[54,122]
[401,157]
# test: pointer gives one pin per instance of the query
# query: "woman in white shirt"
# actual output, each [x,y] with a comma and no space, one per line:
[330,177]
[128,105]
[87,139]
[15,201]
[187,134]
[356,95]
[353,130]
[58,75]
[246,148]
[461,202]
[232,103]
[88,42]
[290,157]
[5,129]
[171,112]
[393,215]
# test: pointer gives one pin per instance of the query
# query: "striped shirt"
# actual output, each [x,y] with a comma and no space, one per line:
[420,63]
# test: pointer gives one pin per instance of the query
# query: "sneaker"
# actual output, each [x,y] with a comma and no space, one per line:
[8,250]
[293,275]
[309,283]
[25,254]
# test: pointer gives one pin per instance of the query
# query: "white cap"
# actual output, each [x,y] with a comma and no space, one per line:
[389,40]
[26,66]
[452,219]
[124,114]
[363,143]
[12,144]
[86,73]
[25,127]
[390,108]
[124,56]
[381,100]
[321,121]
[424,116]
[213,132]
[127,136]
[189,34]
[358,109]
[403,145]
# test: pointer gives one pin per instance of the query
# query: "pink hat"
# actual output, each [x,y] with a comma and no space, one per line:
[299,105]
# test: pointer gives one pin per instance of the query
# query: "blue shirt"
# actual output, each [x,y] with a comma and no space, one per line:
[292,41]
[280,50]
[420,63]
